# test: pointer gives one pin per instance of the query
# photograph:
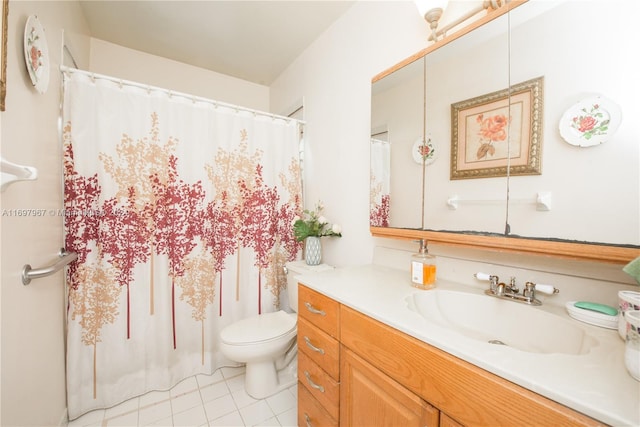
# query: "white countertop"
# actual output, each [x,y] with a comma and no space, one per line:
[596,383]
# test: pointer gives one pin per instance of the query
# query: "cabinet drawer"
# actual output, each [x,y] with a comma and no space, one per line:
[321,386]
[320,347]
[318,309]
[310,412]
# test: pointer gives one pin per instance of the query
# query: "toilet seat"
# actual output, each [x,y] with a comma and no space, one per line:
[259,329]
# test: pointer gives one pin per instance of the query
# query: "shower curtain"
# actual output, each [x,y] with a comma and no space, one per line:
[180,210]
[380,183]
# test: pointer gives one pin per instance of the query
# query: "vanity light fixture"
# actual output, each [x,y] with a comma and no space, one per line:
[431,11]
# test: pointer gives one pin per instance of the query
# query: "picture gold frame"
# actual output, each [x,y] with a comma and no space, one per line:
[4,13]
[499,130]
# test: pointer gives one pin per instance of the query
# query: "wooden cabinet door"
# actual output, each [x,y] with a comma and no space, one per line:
[370,398]
[447,421]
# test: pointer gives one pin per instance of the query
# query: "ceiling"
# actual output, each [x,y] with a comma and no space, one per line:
[250,40]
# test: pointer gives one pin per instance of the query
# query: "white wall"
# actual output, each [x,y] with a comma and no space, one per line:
[333,76]
[128,64]
[33,364]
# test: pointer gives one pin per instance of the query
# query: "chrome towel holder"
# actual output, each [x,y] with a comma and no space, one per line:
[64,258]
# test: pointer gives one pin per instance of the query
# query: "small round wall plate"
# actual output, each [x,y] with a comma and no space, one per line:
[590,122]
[424,152]
[36,54]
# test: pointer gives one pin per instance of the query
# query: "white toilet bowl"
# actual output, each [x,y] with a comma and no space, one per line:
[267,343]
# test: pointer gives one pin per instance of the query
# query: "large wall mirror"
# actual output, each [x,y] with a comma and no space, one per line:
[584,194]
[397,118]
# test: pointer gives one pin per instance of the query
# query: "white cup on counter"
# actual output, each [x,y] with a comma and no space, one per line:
[627,300]
[632,343]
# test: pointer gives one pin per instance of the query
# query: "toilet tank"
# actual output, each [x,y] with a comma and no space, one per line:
[294,269]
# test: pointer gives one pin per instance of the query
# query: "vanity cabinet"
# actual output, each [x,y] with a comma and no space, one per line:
[354,370]
[463,393]
[318,359]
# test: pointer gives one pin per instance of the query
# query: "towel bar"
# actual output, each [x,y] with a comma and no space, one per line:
[542,201]
[65,258]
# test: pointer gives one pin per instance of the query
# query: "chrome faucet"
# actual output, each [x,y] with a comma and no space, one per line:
[511,292]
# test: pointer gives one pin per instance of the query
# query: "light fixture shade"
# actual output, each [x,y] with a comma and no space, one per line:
[425,6]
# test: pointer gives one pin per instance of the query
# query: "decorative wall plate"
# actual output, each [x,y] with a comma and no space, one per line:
[36,54]
[424,152]
[590,122]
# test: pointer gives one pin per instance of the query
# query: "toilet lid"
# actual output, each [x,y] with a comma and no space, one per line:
[264,327]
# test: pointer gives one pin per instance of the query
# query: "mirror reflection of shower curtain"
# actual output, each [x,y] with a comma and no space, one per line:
[180,211]
[380,183]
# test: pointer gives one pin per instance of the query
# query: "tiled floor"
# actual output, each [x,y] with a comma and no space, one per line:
[203,400]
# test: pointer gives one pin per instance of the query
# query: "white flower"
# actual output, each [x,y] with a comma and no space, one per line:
[336,228]
[322,220]
[296,218]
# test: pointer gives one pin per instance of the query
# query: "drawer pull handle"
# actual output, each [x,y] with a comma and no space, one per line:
[312,384]
[313,347]
[307,420]
[314,310]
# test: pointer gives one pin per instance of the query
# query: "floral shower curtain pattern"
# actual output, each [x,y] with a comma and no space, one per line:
[180,211]
[380,183]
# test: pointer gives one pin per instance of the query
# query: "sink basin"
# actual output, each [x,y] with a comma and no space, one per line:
[495,321]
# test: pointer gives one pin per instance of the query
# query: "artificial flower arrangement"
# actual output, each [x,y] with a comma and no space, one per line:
[313,224]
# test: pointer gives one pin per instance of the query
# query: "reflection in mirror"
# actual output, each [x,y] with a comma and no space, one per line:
[584,194]
[397,103]
[465,69]
[591,169]
[380,178]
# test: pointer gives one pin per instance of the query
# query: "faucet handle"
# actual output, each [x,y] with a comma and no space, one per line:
[546,289]
[531,288]
[482,276]
[493,281]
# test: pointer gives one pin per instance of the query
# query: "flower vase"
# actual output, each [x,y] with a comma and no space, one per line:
[312,250]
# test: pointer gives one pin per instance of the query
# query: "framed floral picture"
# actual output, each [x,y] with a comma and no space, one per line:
[499,130]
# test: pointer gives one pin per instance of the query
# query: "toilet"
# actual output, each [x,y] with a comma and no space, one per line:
[267,343]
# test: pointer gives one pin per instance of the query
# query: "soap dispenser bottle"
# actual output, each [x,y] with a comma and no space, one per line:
[423,268]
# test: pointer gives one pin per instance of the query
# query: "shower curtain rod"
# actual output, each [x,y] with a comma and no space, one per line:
[64,69]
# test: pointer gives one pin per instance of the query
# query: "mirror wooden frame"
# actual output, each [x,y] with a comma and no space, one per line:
[548,247]
[557,248]
[4,15]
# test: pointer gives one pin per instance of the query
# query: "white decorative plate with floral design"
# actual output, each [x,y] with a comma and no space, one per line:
[424,152]
[590,122]
[36,54]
